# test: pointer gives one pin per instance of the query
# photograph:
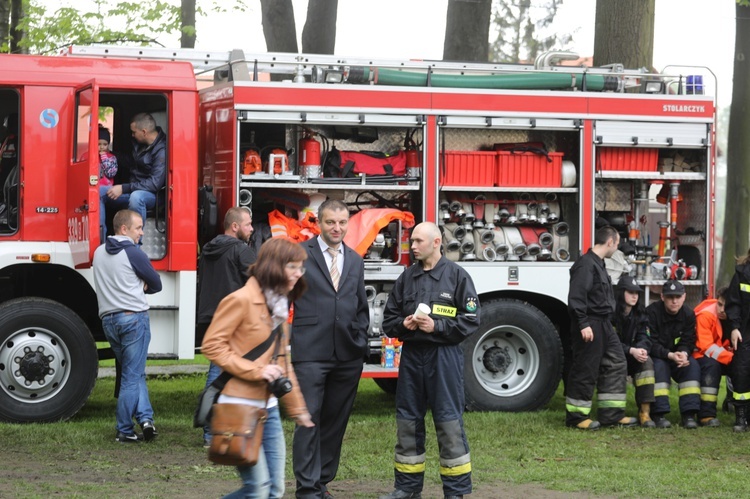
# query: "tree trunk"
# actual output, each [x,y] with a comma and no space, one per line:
[737,217]
[319,33]
[279,29]
[4,21]
[187,24]
[467,30]
[16,34]
[624,33]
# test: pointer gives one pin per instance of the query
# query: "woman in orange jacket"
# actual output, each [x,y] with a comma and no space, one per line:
[244,320]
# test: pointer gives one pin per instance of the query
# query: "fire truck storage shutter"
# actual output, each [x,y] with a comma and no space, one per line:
[631,133]
[510,122]
[331,118]
[514,361]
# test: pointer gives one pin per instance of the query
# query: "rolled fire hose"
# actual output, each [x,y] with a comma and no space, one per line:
[533,208]
[490,211]
[503,214]
[479,209]
[544,236]
[561,229]
[485,235]
[444,203]
[568,174]
[485,252]
[514,240]
[459,232]
[522,213]
[531,239]
[449,239]
[554,211]
[501,247]
[454,206]
[246,197]
[467,246]
[469,212]
[560,251]
[370,293]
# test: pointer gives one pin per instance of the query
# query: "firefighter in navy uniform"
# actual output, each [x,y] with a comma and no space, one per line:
[672,327]
[431,369]
[738,315]
[598,359]
[631,323]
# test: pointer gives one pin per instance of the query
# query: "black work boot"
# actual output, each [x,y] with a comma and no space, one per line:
[688,421]
[740,422]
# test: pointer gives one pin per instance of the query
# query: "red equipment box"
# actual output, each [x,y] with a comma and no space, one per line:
[469,168]
[627,159]
[528,169]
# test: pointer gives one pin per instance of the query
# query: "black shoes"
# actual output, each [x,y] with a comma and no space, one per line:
[689,422]
[125,438]
[400,494]
[740,422]
[660,421]
[149,431]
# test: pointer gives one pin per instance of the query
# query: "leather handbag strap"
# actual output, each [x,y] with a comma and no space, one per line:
[253,354]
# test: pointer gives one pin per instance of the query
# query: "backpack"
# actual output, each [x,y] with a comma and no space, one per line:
[342,164]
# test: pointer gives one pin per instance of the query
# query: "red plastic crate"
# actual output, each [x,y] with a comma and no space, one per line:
[469,168]
[528,169]
[627,159]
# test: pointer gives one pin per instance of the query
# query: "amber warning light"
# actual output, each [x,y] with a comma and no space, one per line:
[41,257]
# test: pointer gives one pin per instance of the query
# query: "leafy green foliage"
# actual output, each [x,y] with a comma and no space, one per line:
[521,25]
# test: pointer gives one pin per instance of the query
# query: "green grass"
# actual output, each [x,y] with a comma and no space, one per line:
[506,448]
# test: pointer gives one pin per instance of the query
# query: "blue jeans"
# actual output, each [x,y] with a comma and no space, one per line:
[129,334]
[138,201]
[213,372]
[103,212]
[266,478]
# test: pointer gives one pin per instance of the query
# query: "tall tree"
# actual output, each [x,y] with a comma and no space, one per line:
[16,27]
[522,26]
[187,24]
[736,237]
[4,25]
[279,28]
[624,33]
[319,33]
[467,30]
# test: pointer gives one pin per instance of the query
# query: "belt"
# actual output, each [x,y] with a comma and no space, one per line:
[121,312]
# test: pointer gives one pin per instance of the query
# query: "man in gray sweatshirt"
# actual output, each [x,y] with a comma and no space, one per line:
[123,275]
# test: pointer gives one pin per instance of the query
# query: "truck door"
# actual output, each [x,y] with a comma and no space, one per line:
[82,207]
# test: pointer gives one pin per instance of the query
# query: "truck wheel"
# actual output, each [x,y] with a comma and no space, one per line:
[514,361]
[388,385]
[48,361]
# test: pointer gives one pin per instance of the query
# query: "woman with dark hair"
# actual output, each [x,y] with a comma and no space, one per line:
[631,324]
[244,320]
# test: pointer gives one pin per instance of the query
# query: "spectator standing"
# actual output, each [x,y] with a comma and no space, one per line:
[329,344]
[598,358]
[242,321]
[738,315]
[222,269]
[123,276]
[432,364]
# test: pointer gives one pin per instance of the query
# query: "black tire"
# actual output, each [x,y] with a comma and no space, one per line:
[48,361]
[514,361]
[388,385]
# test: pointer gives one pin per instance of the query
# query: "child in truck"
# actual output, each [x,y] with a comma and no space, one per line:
[107,172]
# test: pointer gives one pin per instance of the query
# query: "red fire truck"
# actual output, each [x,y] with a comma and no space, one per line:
[516,163]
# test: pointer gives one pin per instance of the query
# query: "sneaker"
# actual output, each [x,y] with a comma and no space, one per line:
[127,438]
[661,422]
[710,422]
[149,431]
[207,442]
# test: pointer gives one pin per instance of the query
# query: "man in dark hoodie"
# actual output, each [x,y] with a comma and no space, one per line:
[123,276]
[148,173]
[222,269]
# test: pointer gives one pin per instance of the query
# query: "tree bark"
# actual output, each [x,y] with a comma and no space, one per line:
[467,30]
[187,20]
[624,33]
[16,34]
[4,21]
[736,236]
[279,29]
[319,33]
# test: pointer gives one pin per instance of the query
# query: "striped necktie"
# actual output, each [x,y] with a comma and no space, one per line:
[335,276]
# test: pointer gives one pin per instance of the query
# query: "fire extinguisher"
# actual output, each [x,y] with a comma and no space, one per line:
[413,158]
[309,151]
[405,246]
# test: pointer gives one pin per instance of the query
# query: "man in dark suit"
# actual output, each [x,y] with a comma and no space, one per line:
[329,343]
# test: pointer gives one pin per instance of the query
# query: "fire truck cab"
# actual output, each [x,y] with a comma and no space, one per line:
[49,220]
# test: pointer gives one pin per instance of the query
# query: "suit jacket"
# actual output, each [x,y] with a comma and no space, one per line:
[331,325]
[242,322]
